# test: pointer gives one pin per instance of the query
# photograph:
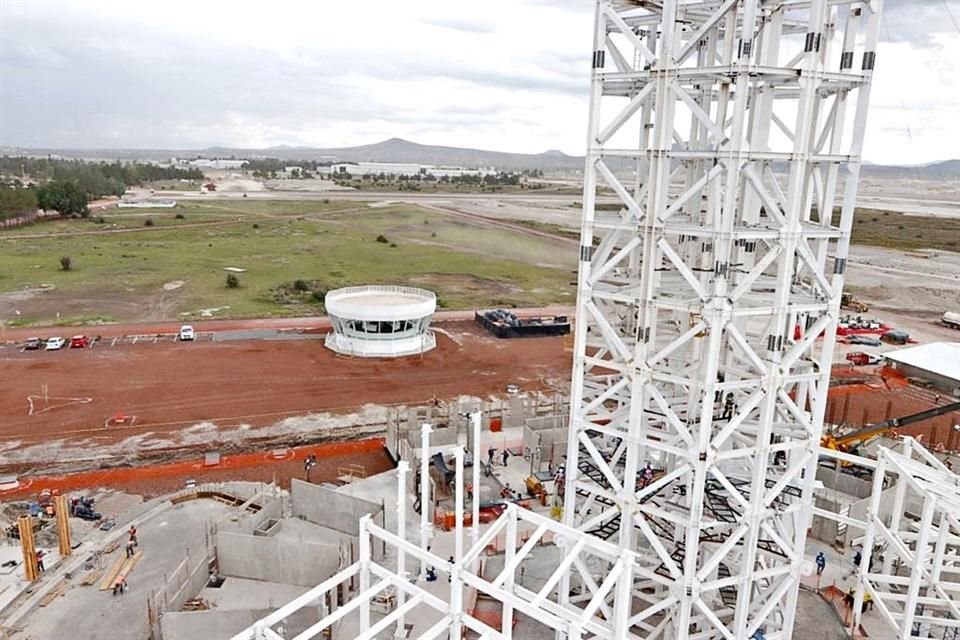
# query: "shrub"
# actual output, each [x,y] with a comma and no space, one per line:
[66,263]
[301,285]
[232,281]
[148,222]
[256,226]
[393,245]
[382,238]
[433,235]
[318,295]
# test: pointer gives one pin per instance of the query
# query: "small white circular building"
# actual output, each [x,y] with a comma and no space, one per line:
[380,321]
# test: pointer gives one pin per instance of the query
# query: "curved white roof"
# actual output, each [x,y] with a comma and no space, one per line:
[380,302]
[941,358]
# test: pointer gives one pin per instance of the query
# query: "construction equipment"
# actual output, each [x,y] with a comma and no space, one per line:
[951,319]
[851,442]
[445,472]
[83,508]
[896,336]
[45,501]
[847,301]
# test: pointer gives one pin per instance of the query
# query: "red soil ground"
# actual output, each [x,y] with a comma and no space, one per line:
[154,480]
[876,394]
[169,385]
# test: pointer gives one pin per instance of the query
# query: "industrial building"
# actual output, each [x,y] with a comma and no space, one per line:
[936,364]
[214,163]
[357,169]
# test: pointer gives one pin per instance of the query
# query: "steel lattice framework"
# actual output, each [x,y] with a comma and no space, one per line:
[726,130]
[911,568]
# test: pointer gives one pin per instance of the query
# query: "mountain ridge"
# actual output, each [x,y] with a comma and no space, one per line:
[401,150]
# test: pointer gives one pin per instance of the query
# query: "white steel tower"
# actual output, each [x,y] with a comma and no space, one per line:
[709,296]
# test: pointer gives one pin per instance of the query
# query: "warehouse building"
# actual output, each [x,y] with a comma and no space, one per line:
[937,363]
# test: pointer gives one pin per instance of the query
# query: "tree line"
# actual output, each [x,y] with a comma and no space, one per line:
[68,185]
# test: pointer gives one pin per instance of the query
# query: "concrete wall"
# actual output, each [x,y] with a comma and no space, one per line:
[247,521]
[191,583]
[513,411]
[207,625]
[276,559]
[330,508]
[824,529]
[551,442]
[941,382]
[844,482]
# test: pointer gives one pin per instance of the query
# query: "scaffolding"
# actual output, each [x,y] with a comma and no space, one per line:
[724,130]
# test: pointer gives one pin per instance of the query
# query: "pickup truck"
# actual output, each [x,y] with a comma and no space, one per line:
[951,319]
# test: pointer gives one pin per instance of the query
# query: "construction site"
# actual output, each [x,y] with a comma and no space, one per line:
[715,442]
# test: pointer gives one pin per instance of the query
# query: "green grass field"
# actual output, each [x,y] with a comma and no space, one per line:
[898,231]
[120,262]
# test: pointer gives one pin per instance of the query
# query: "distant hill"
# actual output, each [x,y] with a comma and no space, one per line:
[946,170]
[399,150]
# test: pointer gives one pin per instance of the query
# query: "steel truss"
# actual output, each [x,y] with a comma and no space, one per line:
[519,531]
[726,130]
[910,567]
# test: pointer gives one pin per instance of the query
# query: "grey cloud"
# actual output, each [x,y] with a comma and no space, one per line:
[143,88]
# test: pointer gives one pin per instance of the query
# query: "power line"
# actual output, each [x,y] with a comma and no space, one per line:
[903,106]
[946,7]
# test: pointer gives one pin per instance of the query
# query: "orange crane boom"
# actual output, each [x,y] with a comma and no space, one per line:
[851,440]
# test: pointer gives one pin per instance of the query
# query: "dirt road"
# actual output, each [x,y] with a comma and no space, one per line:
[170,387]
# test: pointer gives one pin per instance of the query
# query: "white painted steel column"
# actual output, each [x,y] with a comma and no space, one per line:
[510,550]
[872,519]
[364,560]
[456,580]
[919,560]
[583,282]
[403,467]
[475,419]
[426,529]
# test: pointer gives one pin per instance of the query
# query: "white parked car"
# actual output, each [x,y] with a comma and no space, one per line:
[54,344]
[186,332]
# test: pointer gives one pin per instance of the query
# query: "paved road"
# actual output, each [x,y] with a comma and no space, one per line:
[305,323]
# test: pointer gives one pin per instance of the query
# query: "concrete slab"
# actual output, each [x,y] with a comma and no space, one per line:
[13,581]
[241,594]
[164,541]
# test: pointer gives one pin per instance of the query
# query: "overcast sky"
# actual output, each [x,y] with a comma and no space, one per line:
[508,75]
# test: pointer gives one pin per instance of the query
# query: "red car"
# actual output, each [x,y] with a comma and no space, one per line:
[79,342]
[861,358]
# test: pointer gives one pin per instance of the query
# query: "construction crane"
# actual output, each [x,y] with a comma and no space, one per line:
[849,442]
